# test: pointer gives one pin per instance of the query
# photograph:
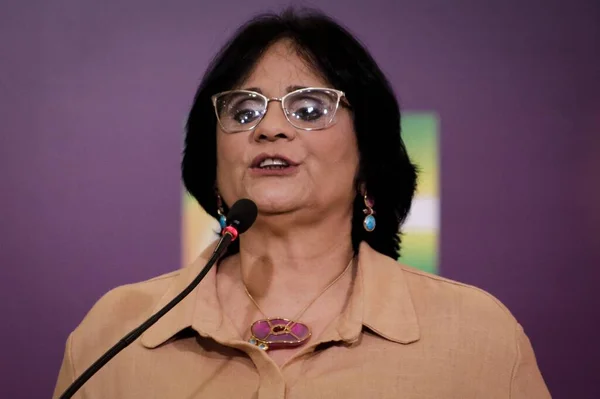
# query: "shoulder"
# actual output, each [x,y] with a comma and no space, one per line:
[116,313]
[433,295]
[465,312]
[478,327]
[438,305]
[427,286]
[130,301]
[458,324]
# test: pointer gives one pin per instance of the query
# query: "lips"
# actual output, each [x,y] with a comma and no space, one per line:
[271,161]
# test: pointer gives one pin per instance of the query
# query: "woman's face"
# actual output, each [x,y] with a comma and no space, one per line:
[325,162]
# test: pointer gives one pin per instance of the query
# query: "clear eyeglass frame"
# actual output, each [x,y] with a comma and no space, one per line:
[340,100]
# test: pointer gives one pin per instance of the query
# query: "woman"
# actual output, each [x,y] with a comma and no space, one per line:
[295,115]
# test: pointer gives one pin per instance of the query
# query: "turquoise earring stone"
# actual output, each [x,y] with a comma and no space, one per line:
[223,221]
[369,223]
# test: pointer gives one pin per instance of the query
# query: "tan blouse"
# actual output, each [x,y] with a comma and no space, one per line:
[403,334]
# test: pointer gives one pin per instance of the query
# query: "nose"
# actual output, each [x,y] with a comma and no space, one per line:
[274,125]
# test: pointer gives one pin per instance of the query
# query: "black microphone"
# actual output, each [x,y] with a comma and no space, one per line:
[239,219]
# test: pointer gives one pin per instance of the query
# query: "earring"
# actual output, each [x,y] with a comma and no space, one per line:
[221,212]
[369,221]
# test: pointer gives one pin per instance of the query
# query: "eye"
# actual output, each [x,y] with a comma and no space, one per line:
[243,110]
[309,113]
[245,116]
[307,108]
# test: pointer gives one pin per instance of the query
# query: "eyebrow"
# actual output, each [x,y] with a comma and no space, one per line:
[288,89]
[256,89]
[294,88]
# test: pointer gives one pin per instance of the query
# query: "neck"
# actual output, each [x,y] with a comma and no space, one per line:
[296,261]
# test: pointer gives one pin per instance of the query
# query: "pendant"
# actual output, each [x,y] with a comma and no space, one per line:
[278,333]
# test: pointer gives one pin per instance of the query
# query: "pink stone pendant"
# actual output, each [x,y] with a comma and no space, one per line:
[278,333]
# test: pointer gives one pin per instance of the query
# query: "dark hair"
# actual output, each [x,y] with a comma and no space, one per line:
[385,168]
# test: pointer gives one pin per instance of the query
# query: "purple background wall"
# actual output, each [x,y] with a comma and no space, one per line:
[92,100]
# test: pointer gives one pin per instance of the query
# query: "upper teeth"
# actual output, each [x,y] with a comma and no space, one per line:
[272,162]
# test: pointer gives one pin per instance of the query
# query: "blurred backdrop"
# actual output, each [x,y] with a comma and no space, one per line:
[94,95]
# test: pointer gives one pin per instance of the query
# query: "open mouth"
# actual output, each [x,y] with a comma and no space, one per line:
[266,162]
[273,164]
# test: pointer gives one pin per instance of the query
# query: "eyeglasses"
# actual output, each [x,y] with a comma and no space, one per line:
[311,108]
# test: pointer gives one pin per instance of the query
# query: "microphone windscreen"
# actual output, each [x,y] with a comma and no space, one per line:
[242,215]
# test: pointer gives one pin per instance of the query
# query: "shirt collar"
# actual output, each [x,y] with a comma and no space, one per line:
[380,301]
[388,308]
[200,309]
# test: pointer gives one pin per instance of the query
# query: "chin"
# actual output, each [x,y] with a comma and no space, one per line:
[275,207]
[276,203]
[277,197]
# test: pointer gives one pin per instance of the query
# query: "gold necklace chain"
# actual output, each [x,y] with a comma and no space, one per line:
[310,303]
